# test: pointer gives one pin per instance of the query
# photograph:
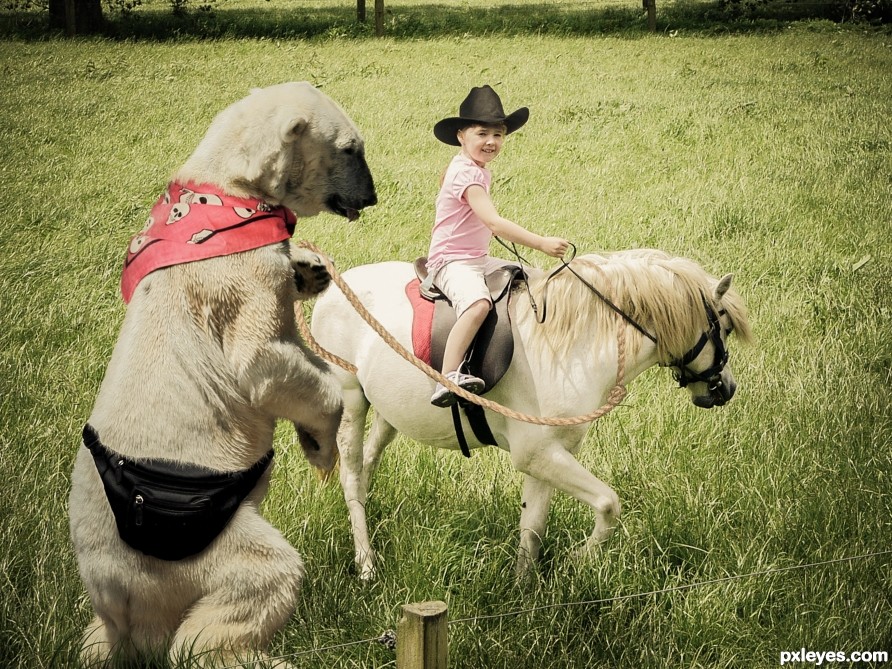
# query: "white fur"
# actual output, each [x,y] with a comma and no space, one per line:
[207,360]
[548,376]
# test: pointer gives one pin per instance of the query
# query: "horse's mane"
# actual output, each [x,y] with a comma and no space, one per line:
[662,293]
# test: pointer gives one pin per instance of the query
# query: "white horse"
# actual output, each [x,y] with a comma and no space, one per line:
[565,366]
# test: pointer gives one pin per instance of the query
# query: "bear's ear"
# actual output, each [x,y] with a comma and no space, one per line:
[294,128]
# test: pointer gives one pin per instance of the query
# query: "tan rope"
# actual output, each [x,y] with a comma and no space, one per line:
[616,395]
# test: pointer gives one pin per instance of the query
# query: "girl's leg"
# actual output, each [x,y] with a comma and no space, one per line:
[463,333]
[463,283]
[457,343]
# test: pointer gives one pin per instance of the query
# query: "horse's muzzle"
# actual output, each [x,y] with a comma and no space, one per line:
[719,393]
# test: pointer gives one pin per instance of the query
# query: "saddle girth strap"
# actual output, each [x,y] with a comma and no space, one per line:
[477,421]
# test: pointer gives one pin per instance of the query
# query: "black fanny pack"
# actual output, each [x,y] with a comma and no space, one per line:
[166,509]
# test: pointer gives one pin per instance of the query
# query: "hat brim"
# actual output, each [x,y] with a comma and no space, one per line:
[447,129]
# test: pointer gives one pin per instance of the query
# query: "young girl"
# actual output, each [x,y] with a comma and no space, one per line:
[466,220]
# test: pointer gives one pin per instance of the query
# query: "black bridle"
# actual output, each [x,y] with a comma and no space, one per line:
[712,376]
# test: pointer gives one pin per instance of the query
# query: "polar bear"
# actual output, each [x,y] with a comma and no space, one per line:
[208,358]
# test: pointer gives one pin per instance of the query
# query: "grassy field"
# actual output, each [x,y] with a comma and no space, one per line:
[765,153]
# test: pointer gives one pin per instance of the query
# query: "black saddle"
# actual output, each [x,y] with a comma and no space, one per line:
[493,347]
[491,351]
[498,281]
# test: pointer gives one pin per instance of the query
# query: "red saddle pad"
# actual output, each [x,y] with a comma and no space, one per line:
[422,321]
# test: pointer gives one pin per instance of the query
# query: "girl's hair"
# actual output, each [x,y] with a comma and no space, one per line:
[484,125]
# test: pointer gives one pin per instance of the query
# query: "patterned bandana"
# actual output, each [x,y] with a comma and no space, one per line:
[197,221]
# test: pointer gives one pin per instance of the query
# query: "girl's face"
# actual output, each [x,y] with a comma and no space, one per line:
[481,143]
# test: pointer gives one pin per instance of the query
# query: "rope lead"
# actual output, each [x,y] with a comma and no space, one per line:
[616,395]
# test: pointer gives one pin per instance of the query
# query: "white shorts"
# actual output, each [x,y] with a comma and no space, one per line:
[462,281]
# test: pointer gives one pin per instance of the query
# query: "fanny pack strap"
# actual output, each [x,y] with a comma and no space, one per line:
[243,481]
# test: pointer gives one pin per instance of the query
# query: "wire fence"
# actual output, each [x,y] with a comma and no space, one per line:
[388,636]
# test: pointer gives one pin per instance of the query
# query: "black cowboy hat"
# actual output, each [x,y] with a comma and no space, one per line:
[481,106]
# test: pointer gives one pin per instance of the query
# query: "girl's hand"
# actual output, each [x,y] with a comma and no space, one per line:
[556,247]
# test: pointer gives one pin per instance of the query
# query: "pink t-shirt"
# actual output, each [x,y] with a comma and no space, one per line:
[458,233]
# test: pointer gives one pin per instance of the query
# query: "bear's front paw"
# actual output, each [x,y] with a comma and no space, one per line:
[321,452]
[310,275]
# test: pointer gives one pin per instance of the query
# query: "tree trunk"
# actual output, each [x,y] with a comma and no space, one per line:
[76,17]
[57,14]
[379,18]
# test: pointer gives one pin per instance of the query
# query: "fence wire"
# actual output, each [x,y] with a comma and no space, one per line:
[670,589]
[388,637]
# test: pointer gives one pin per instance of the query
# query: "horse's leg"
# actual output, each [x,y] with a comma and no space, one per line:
[534,506]
[350,438]
[358,464]
[554,465]
[381,434]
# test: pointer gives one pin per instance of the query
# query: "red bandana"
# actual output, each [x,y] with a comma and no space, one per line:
[196,221]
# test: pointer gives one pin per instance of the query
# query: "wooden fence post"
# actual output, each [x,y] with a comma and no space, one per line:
[421,640]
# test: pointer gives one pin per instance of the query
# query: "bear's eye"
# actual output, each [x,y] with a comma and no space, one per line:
[350,150]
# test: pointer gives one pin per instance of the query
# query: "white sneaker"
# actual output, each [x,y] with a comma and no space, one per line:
[443,397]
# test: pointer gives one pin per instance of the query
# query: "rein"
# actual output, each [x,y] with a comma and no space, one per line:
[684,376]
[566,265]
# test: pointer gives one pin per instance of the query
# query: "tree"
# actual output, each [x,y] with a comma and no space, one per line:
[76,17]
[379,15]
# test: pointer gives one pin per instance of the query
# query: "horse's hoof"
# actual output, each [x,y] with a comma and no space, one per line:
[367,572]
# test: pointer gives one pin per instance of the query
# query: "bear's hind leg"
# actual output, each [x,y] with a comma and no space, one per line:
[251,597]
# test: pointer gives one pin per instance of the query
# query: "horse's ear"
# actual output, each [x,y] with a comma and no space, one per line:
[723,286]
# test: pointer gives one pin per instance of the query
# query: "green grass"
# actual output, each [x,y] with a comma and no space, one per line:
[764,154]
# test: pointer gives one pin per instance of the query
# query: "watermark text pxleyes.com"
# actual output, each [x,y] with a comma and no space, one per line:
[818,658]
